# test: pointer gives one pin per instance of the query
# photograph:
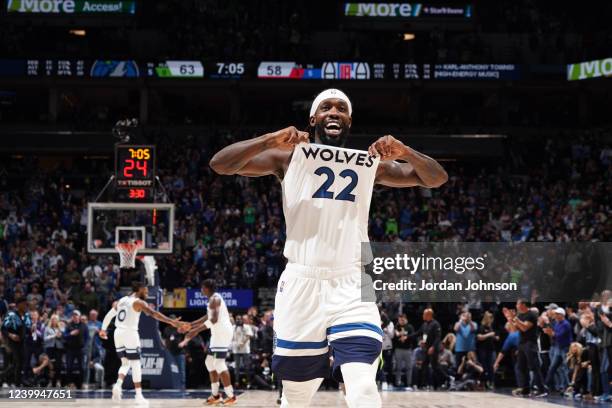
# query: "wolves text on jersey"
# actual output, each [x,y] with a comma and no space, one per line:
[338,156]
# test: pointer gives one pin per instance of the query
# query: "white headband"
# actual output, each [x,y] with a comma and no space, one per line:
[330,94]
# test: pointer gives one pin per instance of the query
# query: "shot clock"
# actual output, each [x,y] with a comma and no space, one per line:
[135,172]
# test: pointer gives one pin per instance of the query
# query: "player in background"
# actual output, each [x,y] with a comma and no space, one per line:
[126,312]
[327,191]
[217,319]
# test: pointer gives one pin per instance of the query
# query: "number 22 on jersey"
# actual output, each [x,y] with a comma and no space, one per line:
[345,194]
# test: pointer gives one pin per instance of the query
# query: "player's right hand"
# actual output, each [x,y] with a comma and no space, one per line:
[288,138]
[102,334]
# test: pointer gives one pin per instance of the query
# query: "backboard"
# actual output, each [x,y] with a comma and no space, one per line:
[111,223]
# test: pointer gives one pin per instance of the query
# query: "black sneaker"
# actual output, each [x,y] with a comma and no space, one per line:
[539,394]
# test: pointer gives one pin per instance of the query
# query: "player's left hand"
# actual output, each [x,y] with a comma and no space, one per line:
[388,148]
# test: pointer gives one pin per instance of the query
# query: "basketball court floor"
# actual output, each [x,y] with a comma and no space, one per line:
[323,399]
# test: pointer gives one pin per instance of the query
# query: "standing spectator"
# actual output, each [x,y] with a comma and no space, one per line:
[429,337]
[93,340]
[266,333]
[404,346]
[527,358]
[589,334]
[387,348]
[242,348]
[465,330]
[486,347]
[561,336]
[74,337]
[92,271]
[544,341]
[54,348]
[88,299]
[605,316]
[33,346]
[14,328]
[509,348]
[173,341]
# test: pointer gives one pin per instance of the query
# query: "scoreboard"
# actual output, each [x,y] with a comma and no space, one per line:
[135,172]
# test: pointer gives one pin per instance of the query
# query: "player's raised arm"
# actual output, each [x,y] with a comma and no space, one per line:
[260,156]
[142,306]
[419,169]
[107,320]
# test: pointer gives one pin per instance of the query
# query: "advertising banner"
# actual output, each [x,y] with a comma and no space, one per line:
[590,69]
[238,298]
[405,10]
[71,6]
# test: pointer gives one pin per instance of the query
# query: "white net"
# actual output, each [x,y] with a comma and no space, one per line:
[127,253]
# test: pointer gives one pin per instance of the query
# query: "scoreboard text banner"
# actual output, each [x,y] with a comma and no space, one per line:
[405,10]
[240,298]
[71,6]
[589,69]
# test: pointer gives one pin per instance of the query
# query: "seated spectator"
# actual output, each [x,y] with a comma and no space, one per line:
[469,373]
[578,364]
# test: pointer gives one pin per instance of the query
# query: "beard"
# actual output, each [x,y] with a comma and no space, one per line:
[337,141]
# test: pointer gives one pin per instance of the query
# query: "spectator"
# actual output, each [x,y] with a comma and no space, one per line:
[447,360]
[15,326]
[429,336]
[469,372]
[88,299]
[527,358]
[578,363]
[243,333]
[33,345]
[605,317]
[486,347]
[403,341]
[74,336]
[465,331]
[54,348]
[173,342]
[387,348]
[544,341]
[93,344]
[561,335]
[41,371]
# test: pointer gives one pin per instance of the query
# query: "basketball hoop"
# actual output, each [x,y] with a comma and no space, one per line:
[127,253]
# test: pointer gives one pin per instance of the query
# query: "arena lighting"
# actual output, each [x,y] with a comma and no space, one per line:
[409,36]
[79,33]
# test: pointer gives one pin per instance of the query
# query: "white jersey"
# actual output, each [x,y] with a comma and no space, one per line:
[127,318]
[223,317]
[326,201]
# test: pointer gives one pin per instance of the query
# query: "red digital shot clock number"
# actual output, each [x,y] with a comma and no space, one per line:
[135,171]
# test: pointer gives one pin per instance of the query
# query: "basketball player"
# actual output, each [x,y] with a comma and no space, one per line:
[217,319]
[326,198]
[127,342]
